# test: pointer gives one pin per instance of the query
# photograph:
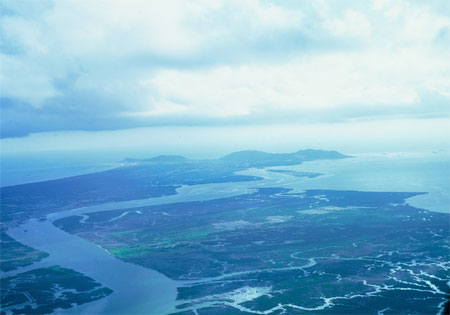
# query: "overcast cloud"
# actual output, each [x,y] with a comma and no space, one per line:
[109,65]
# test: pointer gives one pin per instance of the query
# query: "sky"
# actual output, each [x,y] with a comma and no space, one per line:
[352,75]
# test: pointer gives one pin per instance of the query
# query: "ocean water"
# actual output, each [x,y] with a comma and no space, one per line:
[427,172]
[40,166]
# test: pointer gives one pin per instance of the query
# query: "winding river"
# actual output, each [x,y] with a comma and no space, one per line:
[141,290]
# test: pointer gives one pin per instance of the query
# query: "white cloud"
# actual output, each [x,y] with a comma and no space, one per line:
[338,80]
[412,23]
[26,80]
[379,4]
[353,23]
[99,36]
[172,27]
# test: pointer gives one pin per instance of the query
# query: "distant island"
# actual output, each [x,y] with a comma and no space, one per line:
[252,158]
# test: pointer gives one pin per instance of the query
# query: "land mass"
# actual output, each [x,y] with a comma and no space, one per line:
[138,179]
[45,290]
[15,254]
[269,251]
[276,251]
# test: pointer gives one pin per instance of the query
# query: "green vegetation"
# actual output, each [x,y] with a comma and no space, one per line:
[15,255]
[129,252]
[140,179]
[315,250]
[42,291]
[272,251]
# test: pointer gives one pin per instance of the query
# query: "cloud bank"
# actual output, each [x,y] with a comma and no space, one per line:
[83,65]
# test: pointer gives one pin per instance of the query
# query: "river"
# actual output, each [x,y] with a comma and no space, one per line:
[141,290]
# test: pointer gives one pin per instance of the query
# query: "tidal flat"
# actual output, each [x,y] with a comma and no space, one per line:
[357,253]
[46,290]
[242,234]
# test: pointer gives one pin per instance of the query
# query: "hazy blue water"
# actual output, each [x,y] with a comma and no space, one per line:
[39,166]
[136,289]
[21,168]
[399,172]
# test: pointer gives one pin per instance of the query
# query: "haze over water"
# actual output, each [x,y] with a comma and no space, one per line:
[400,172]
[403,172]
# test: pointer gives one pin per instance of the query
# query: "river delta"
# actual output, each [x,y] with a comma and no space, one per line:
[246,234]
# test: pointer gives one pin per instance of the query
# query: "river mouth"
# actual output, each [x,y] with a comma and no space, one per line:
[136,289]
[139,290]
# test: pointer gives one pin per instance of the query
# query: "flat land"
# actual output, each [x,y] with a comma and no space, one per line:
[44,290]
[14,254]
[275,251]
